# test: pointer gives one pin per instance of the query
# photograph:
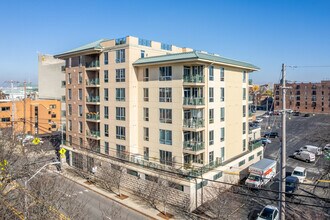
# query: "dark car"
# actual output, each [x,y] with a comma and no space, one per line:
[291,184]
[307,115]
[296,113]
[271,134]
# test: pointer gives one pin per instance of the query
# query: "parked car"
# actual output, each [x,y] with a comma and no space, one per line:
[290,111]
[272,134]
[291,184]
[326,147]
[296,113]
[265,141]
[259,120]
[300,173]
[307,115]
[304,155]
[265,116]
[269,212]
[315,150]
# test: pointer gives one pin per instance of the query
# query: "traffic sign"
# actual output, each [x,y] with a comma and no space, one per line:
[62,151]
[36,141]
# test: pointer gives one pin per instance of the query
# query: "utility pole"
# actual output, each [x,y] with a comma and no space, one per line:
[283,149]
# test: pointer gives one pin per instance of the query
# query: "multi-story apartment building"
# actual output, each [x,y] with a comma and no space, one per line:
[305,97]
[41,116]
[135,98]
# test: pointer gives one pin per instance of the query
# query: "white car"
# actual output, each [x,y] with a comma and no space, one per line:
[304,155]
[300,173]
[326,147]
[269,212]
[259,120]
[265,116]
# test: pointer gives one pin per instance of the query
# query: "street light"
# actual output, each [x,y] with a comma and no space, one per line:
[25,186]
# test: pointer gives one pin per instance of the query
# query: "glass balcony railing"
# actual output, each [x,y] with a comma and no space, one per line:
[193,79]
[193,145]
[193,122]
[194,101]
[92,64]
[93,116]
[93,82]
[93,99]
[255,144]
[92,133]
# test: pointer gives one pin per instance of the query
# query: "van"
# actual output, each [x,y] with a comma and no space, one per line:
[291,184]
[304,155]
[313,149]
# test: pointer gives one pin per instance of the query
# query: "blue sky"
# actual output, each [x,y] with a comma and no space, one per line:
[265,33]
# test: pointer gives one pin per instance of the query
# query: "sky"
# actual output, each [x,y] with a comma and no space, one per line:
[265,33]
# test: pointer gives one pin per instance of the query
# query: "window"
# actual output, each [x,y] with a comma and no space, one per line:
[211,157]
[70,140]
[132,172]
[120,41]
[80,94]
[120,153]
[80,127]
[151,178]
[106,94]
[53,115]
[106,58]
[244,144]
[52,106]
[244,93]
[217,176]
[7,119]
[120,56]
[81,142]
[222,153]
[142,53]
[69,94]
[222,94]
[80,78]
[69,109]
[80,110]
[106,130]
[176,186]
[106,147]
[106,76]
[241,163]
[69,78]
[166,46]
[259,153]
[244,127]
[146,94]
[222,114]
[222,74]
[211,94]
[165,94]
[222,134]
[70,125]
[165,73]
[106,112]
[146,134]
[146,75]
[211,73]
[165,137]
[144,42]
[165,115]
[211,116]
[120,94]
[146,153]
[251,157]
[120,113]
[211,137]
[120,133]
[5,108]
[120,75]
[244,76]
[244,110]
[63,83]
[165,157]
[146,114]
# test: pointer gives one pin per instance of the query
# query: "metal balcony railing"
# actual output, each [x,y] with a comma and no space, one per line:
[193,145]
[92,64]
[92,133]
[193,79]
[93,99]
[93,82]
[193,122]
[93,116]
[194,101]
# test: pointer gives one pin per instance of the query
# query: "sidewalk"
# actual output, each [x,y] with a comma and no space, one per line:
[130,202]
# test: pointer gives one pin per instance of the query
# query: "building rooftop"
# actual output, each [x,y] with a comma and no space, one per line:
[194,55]
[96,45]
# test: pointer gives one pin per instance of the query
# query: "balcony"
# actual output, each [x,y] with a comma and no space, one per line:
[194,101]
[93,116]
[193,123]
[193,146]
[193,79]
[93,82]
[255,144]
[95,100]
[93,64]
[93,134]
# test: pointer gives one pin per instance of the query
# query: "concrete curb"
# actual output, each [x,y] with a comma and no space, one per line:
[108,197]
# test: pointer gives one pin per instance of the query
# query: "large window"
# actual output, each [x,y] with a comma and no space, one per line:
[70,125]
[146,75]
[106,112]
[165,73]
[69,94]
[80,94]
[146,134]
[146,94]
[120,41]
[106,76]
[244,93]
[165,115]
[120,152]
[222,94]
[165,137]
[146,114]
[222,134]
[166,46]
[120,133]
[106,147]
[80,78]
[165,94]
[144,42]
[222,114]
[69,109]
[106,94]
[106,58]
[244,110]
[211,137]
[211,73]
[244,127]
[143,53]
[211,94]
[120,56]
[222,74]
[120,94]
[211,156]
[80,111]
[211,116]
[120,75]
[69,78]
[106,130]
[120,113]
[80,127]
[165,157]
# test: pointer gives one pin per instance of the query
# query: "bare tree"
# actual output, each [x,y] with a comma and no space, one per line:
[110,177]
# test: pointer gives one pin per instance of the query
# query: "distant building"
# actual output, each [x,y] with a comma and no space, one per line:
[42,116]
[305,97]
